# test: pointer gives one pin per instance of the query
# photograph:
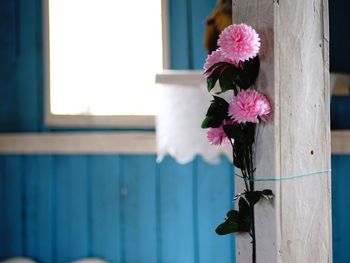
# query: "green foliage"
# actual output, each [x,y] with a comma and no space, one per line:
[243,133]
[216,113]
[236,221]
[230,76]
[236,78]
[247,75]
[241,220]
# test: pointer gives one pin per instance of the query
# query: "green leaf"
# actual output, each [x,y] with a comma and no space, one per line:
[212,121]
[244,217]
[243,133]
[243,206]
[236,221]
[235,132]
[216,113]
[226,79]
[267,194]
[238,155]
[249,132]
[216,70]
[248,74]
[230,225]
[211,81]
[253,197]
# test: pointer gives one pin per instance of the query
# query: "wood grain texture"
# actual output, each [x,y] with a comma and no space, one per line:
[294,74]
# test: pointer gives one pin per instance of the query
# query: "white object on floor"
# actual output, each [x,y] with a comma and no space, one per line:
[89,260]
[18,260]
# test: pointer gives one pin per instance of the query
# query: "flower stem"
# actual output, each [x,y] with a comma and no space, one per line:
[251,184]
[253,226]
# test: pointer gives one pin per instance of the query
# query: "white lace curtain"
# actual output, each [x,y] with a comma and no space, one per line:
[184,101]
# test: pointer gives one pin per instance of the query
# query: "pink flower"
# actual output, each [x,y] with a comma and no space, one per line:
[239,42]
[217,136]
[216,57]
[248,105]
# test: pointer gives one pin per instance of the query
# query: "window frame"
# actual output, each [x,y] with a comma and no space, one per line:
[86,121]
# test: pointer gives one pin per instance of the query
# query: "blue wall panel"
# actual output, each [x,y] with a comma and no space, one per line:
[200,10]
[177,226]
[339,35]
[12,213]
[21,68]
[105,204]
[71,208]
[215,192]
[57,208]
[138,214]
[38,207]
[341,208]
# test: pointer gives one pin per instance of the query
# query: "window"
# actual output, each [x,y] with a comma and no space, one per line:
[102,57]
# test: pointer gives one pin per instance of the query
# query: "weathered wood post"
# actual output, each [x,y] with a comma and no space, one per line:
[296,227]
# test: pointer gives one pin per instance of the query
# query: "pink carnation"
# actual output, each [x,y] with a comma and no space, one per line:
[248,105]
[216,57]
[217,136]
[239,42]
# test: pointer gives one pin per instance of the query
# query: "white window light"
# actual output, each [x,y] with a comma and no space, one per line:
[101,61]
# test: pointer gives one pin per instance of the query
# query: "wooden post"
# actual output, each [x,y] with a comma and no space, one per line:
[296,226]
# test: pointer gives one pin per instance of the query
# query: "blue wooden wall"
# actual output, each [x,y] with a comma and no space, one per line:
[57,208]
[123,208]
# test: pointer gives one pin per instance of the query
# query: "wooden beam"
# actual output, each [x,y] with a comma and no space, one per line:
[108,142]
[296,227]
[79,143]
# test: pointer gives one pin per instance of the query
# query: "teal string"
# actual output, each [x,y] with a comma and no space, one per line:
[286,177]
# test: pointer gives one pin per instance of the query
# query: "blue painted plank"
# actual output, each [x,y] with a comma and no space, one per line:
[105,207]
[341,207]
[215,193]
[8,57]
[7,37]
[38,197]
[12,207]
[339,46]
[200,9]
[138,214]
[179,34]
[71,202]
[3,186]
[27,93]
[176,205]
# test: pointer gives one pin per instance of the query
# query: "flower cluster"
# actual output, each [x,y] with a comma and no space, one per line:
[234,64]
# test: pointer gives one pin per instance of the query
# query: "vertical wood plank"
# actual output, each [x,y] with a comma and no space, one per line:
[294,60]
[340,40]
[71,198]
[12,230]
[179,34]
[27,93]
[138,215]
[200,9]
[38,207]
[176,212]
[8,61]
[105,207]
[215,195]
[7,37]
[341,208]
[2,207]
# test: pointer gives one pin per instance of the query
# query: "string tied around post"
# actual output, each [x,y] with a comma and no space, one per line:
[291,177]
